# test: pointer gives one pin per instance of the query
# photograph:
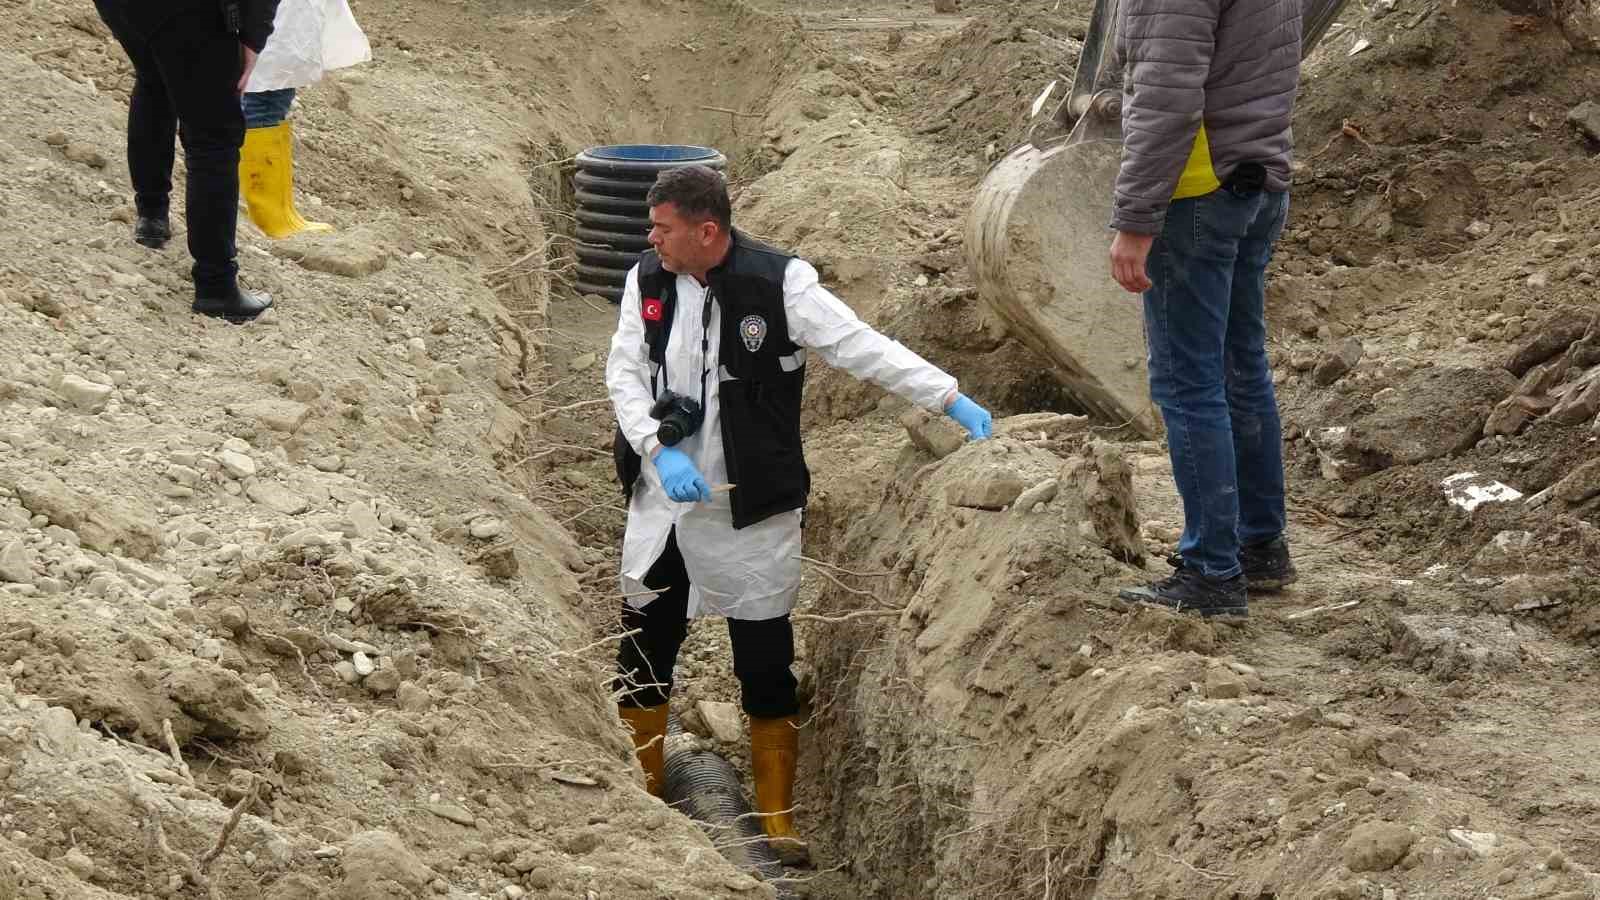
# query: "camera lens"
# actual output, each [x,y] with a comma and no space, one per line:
[669,434]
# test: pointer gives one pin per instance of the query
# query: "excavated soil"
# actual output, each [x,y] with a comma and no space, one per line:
[318,607]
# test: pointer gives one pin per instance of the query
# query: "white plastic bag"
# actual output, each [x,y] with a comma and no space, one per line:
[309,38]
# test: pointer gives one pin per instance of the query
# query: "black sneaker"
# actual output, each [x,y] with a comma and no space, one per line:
[152,232]
[238,307]
[1267,565]
[1188,591]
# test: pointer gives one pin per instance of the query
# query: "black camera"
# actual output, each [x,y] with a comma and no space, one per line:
[680,417]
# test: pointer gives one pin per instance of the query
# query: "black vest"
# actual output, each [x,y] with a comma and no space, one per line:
[762,374]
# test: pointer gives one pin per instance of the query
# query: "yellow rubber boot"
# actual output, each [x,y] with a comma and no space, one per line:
[649,725]
[774,745]
[266,179]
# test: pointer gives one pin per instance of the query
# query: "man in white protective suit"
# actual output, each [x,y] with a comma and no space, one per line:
[705,373]
[309,39]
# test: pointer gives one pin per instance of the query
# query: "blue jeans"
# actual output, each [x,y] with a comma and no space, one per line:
[264,109]
[1205,321]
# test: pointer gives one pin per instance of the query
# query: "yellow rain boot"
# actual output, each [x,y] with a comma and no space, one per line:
[649,726]
[774,744]
[266,179]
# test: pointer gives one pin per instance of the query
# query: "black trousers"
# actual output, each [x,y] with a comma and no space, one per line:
[763,650]
[186,67]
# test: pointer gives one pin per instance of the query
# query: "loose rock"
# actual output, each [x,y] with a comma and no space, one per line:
[364,520]
[279,415]
[1582,484]
[382,682]
[413,699]
[453,813]
[1586,118]
[1338,363]
[79,864]
[14,564]
[84,394]
[1563,329]
[722,720]
[937,436]
[1223,684]
[1481,844]
[994,488]
[277,498]
[236,464]
[1377,846]
[378,866]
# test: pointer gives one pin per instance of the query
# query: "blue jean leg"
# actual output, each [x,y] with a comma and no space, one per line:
[263,109]
[1252,402]
[1196,340]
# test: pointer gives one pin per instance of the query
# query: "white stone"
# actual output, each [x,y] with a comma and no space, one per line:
[1479,843]
[15,566]
[722,719]
[79,863]
[277,498]
[363,664]
[345,645]
[363,519]
[57,731]
[84,394]
[487,527]
[237,464]
[210,648]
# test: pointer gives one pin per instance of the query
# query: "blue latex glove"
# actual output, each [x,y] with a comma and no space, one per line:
[681,479]
[974,418]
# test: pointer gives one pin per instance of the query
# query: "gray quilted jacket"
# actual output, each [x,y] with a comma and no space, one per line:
[1233,64]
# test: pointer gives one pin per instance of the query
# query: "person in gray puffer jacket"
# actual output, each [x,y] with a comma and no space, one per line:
[1201,197]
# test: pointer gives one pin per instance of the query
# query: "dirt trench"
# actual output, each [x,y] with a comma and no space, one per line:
[989,721]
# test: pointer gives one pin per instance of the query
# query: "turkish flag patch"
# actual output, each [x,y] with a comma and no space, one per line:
[651,309]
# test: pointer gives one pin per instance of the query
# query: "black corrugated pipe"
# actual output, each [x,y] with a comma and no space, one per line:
[613,219]
[705,787]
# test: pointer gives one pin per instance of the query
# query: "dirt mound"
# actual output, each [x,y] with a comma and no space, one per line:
[266,589]
[980,84]
[1027,735]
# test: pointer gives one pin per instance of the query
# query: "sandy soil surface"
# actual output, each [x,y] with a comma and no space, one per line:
[318,607]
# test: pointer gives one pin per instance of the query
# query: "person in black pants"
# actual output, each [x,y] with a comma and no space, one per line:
[191,59]
[763,649]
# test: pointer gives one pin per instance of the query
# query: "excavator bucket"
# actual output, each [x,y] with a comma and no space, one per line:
[1038,238]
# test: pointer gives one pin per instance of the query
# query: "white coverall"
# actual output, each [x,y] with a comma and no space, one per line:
[754,572]
[309,37]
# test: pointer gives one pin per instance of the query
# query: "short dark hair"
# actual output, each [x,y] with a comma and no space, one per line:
[699,193]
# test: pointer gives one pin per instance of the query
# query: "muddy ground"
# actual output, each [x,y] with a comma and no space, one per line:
[345,575]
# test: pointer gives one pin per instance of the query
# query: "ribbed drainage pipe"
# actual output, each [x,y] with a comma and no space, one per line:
[705,787]
[613,218]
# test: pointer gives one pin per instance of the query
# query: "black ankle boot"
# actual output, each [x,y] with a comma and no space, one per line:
[152,232]
[1267,565]
[1188,592]
[238,306]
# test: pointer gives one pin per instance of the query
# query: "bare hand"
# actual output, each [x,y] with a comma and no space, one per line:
[249,66]
[1129,253]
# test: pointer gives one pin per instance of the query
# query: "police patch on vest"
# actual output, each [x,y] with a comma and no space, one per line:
[753,329]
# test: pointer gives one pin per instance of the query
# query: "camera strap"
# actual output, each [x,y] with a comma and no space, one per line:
[705,345]
[705,352]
